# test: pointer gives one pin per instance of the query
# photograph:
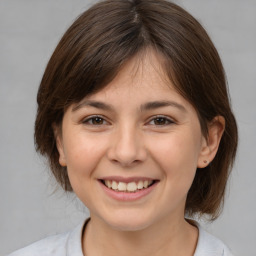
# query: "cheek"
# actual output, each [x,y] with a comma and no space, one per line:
[177,156]
[83,153]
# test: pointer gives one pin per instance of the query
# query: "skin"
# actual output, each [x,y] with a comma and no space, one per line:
[127,140]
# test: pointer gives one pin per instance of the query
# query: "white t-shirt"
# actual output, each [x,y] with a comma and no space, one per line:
[69,244]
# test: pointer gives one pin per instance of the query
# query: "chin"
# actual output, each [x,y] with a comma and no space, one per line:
[128,222]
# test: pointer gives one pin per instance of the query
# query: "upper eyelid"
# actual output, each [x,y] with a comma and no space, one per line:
[162,116]
[93,116]
[172,120]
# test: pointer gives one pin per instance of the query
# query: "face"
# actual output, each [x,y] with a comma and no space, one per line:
[132,149]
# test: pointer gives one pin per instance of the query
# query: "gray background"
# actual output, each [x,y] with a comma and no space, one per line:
[29,32]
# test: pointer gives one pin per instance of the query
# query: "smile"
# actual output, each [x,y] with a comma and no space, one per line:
[127,189]
[131,187]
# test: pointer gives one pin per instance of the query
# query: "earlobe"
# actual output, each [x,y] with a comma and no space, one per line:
[59,145]
[210,144]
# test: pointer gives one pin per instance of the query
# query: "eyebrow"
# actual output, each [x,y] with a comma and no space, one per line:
[159,104]
[92,103]
[144,107]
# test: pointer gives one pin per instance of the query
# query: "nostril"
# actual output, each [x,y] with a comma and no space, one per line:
[126,164]
[126,150]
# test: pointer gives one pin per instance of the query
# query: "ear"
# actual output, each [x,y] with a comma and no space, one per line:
[210,144]
[59,143]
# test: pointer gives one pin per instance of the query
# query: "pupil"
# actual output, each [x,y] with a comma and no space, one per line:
[160,121]
[97,120]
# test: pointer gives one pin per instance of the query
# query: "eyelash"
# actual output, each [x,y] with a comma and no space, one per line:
[91,119]
[167,121]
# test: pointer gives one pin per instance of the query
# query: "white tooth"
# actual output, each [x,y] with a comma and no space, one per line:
[108,183]
[131,186]
[140,184]
[150,182]
[145,184]
[121,186]
[114,184]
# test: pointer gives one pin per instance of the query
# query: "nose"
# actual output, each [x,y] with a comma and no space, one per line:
[127,147]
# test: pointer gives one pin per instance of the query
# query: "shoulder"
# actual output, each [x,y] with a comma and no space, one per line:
[52,245]
[63,244]
[210,245]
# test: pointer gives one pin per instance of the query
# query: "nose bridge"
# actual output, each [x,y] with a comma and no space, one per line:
[127,146]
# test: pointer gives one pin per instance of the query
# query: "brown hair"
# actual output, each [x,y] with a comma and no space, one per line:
[101,40]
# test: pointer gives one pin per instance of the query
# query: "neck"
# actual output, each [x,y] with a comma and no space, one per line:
[177,238]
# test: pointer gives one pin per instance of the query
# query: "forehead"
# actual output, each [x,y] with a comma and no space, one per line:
[143,72]
[141,80]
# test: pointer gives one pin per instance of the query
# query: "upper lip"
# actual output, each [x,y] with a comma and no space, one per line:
[126,179]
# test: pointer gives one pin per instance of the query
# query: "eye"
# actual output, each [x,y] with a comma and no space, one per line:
[95,120]
[161,121]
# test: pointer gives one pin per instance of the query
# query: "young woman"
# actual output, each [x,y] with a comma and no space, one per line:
[134,117]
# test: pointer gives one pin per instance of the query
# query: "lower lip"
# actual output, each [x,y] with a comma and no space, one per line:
[127,196]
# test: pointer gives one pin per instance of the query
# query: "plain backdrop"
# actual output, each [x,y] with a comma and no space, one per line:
[29,32]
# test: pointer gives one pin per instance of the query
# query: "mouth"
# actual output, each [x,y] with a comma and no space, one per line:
[128,187]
